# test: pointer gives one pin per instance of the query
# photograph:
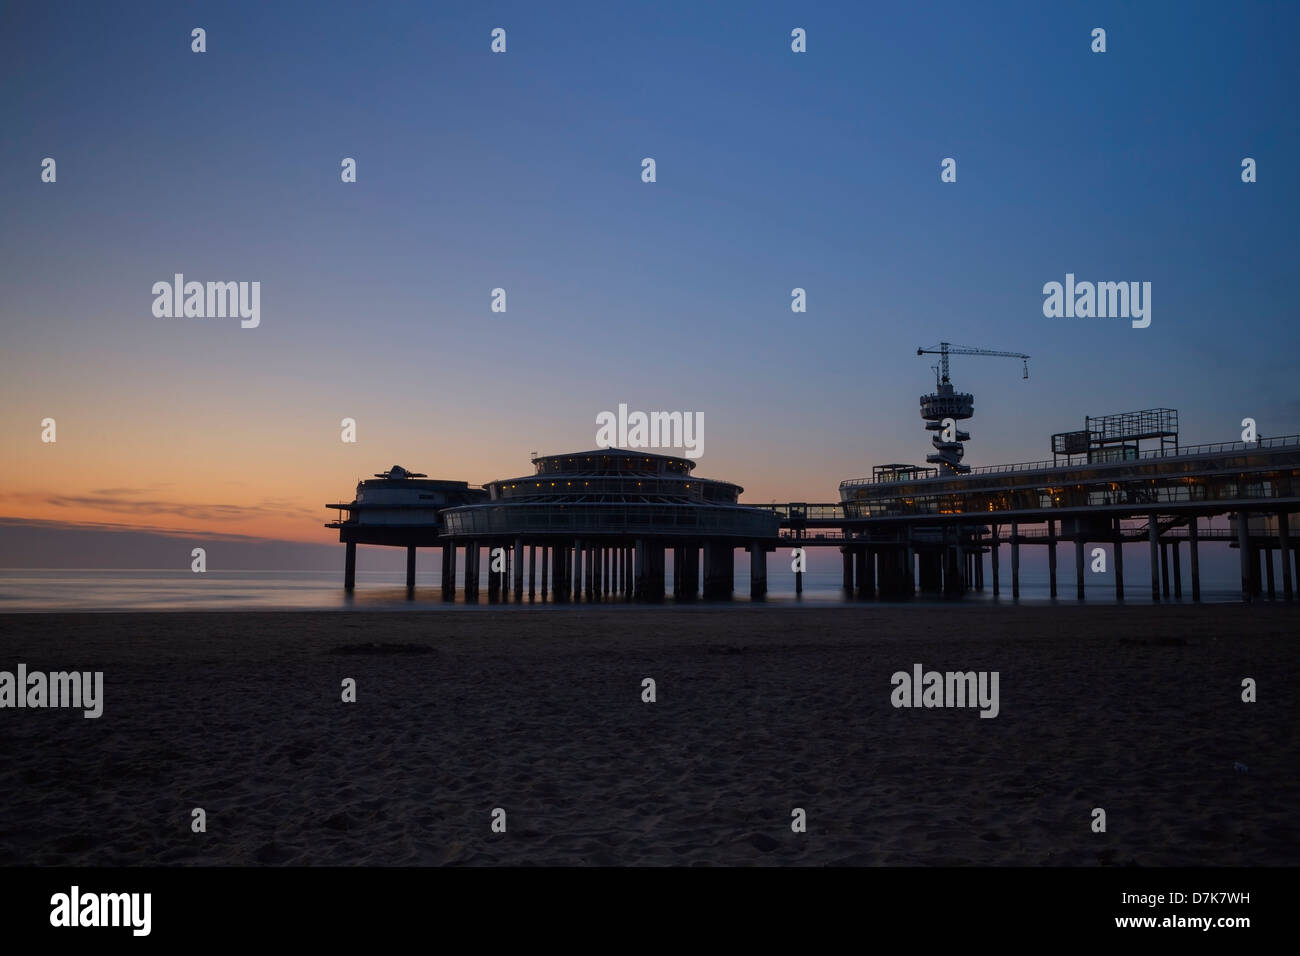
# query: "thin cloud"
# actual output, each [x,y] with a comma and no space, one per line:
[125,502]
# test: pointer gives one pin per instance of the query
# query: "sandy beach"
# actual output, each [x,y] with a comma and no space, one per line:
[1136,710]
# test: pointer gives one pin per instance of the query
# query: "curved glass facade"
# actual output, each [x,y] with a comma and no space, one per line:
[611,492]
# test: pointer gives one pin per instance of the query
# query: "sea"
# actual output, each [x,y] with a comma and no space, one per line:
[37,590]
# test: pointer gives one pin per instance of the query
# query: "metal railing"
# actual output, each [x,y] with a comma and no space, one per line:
[1187,451]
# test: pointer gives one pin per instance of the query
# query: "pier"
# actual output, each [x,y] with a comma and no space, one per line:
[602,524]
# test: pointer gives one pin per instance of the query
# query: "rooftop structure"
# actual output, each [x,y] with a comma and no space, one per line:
[1118,437]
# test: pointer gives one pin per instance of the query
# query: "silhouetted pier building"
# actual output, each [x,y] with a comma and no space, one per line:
[603,522]
[397,508]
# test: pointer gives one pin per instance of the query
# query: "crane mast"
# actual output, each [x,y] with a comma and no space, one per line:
[945,406]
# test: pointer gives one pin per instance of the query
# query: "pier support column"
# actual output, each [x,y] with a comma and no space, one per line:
[1119,560]
[1015,561]
[590,559]
[910,581]
[956,574]
[471,571]
[629,571]
[1079,561]
[1243,545]
[863,584]
[546,563]
[1284,552]
[605,582]
[691,571]
[532,571]
[953,573]
[1153,534]
[977,557]
[719,569]
[798,575]
[495,576]
[1177,570]
[639,587]
[1194,554]
[1164,568]
[519,568]
[868,572]
[896,573]
[930,571]
[410,568]
[579,565]
[350,566]
[1268,567]
[757,570]
[557,572]
[583,572]
[448,572]
[847,557]
[1051,558]
[994,558]
[654,576]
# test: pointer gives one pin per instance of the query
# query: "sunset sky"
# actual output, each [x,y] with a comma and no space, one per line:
[523,171]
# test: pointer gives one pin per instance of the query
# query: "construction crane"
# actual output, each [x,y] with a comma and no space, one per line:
[946,348]
[944,407]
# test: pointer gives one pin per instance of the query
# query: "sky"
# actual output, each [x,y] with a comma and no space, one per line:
[522,171]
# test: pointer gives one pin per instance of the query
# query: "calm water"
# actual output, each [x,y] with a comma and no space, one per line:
[116,590]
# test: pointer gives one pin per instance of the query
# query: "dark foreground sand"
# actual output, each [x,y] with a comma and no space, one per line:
[1136,710]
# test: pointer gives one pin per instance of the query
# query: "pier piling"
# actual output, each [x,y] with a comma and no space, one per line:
[994,558]
[1243,545]
[1177,571]
[757,570]
[1051,560]
[1153,534]
[1119,560]
[1079,563]
[1284,552]
[1015,561]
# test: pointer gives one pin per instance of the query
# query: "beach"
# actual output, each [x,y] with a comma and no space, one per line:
[758,711]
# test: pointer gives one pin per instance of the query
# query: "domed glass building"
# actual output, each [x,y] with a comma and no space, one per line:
[604,520]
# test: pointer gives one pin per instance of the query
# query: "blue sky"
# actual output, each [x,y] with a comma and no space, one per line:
[522,171]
